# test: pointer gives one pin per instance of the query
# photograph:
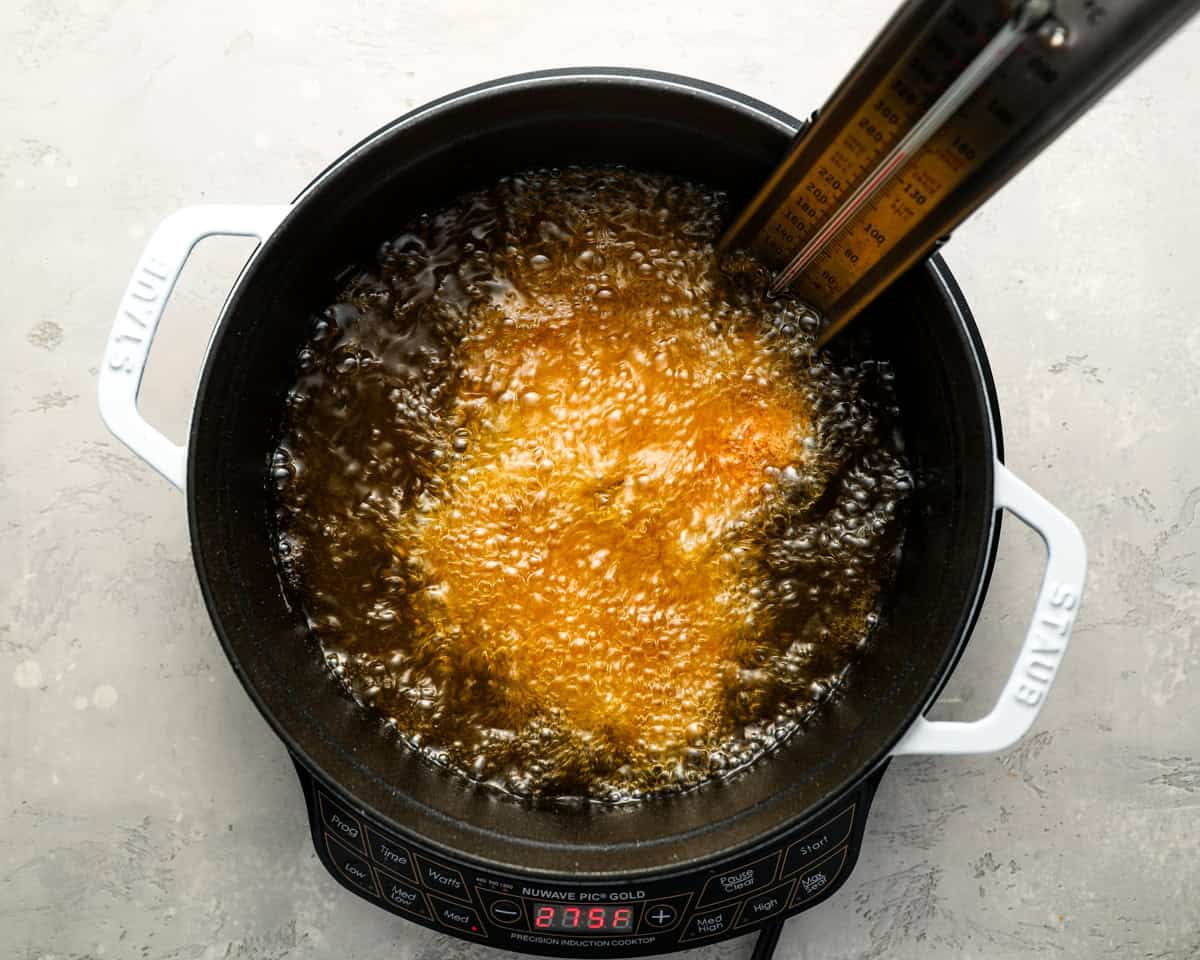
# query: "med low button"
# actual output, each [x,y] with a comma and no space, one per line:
[708,924]
[739,881]
[457,917]
[401,894]
[813,846]
[763,906]
[346,827]
[442,879]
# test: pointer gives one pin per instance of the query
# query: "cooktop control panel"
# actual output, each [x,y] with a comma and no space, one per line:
[611,919]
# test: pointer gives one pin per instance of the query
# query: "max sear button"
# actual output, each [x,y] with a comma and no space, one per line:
[390,855]
[351,866]
[344,826]
[763,906]
[818,878]
[401,894]
[443,879]
[457,917]
[708,924]
[813,846]
[739,880]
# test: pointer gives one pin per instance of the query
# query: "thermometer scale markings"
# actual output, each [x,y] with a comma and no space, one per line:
[951,99]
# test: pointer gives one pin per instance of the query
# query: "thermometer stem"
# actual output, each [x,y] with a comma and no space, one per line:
[1028,17]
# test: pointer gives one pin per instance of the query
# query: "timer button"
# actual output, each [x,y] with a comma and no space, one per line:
[445,880]
[819,878]
[458,917]
[813,846]
[346,827]
[390,855]
[709,924]
[401,894]
[765,905]
[740,880]
[351,866]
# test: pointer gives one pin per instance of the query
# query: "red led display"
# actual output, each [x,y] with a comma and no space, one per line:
[568,918]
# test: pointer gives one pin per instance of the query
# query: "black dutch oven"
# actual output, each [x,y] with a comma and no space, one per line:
[583,880]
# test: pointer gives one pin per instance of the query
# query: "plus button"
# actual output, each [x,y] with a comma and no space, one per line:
[661,916]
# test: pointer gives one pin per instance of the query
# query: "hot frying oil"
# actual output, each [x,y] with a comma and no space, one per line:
[574,507]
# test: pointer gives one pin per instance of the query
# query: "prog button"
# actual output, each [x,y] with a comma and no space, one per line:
[347,828]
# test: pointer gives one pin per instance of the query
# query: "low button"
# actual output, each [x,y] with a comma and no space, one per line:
[505,911]
[813,846]
[458,917]
[346,827]
[390,855]
[819,878]
[443,879]
[763,906]
[351,866]
[401,894]
[708,924]
[740,880]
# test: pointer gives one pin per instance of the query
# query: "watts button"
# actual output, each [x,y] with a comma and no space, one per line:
[443,879]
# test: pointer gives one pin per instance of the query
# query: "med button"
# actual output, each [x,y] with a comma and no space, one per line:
[442,879]
[763,906]
[347,828]
[740,880]
[457,917]
[709,924]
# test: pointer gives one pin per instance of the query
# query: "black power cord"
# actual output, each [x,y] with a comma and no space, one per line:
[768,940]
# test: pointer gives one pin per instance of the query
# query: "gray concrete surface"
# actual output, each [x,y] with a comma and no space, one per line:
[145,809]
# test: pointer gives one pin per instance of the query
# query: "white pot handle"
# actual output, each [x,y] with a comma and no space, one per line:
[142,307]
[1045,642]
